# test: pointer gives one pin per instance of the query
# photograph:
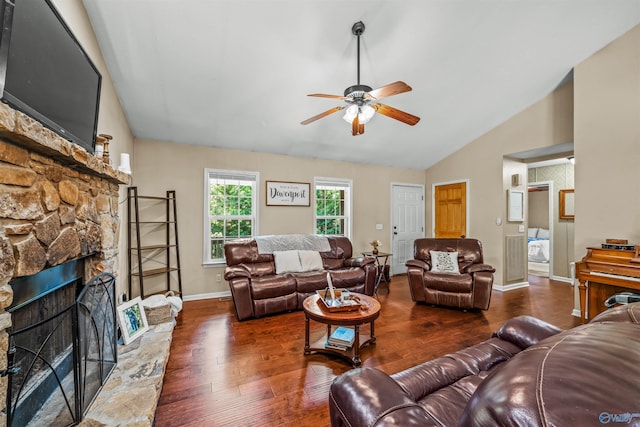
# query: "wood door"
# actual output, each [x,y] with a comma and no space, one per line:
[450,210]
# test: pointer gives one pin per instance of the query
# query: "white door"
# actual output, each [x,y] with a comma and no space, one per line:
[407,223]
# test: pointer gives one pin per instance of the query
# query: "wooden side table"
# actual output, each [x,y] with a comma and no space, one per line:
[380,267]
[314,310]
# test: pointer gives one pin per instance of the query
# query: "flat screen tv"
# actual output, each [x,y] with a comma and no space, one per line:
[45,73]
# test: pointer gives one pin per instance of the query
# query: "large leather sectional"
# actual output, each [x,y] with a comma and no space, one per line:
[258,291]
[529,373]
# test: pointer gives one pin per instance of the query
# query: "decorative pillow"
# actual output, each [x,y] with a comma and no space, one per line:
[310,260]
[287,262]
[532,232]
[543,233]
[444,262]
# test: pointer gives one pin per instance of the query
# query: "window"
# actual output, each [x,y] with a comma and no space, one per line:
[333,206]
[231,209]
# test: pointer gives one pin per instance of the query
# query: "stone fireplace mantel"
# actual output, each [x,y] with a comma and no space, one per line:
[25,132]
[57,202]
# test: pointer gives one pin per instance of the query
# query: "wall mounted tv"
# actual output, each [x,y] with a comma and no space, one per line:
[45,73]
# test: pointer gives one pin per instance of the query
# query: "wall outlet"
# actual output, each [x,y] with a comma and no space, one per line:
[122,298]
[378,226]
[218,277]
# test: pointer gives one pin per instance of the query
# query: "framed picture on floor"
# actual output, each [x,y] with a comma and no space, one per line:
[132,320]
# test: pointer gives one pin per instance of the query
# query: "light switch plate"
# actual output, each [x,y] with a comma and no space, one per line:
[378,226]
[521,228]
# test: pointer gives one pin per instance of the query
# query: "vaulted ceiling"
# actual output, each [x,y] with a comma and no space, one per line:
[235,73]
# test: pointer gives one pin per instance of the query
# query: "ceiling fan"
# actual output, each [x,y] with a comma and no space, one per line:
[362,101]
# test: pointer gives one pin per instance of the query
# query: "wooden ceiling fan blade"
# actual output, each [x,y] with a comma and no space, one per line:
[388,90]
[324,95]
[321,115]
[357,128]
[394,113]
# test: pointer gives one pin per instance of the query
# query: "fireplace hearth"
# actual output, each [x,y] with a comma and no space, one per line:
[57,203]
[62,346]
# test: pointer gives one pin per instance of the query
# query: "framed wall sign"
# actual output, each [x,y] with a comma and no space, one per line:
[515,205]
[288,193]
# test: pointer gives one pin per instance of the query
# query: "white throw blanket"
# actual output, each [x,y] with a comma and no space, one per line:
[288,242]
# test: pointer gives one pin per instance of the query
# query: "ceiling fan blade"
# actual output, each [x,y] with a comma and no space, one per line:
[357,128]
[394,113]
[321,115]
[324,95]
[388,90]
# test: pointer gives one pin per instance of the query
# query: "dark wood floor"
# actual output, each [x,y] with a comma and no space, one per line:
[222,372]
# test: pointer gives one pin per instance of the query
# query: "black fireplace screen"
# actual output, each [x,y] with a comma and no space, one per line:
[61,351]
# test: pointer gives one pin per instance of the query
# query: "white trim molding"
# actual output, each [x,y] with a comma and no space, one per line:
[510,287]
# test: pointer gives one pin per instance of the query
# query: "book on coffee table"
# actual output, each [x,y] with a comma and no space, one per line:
[341,338]
[336,346]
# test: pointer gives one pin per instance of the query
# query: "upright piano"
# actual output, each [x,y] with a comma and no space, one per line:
[603,273]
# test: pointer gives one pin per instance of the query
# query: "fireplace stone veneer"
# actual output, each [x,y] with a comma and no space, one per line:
[57,203]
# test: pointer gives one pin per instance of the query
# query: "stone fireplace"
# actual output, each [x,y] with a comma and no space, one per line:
[57,203]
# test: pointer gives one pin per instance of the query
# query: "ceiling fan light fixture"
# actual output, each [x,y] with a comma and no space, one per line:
[364,112]
[363,102]
[350,113]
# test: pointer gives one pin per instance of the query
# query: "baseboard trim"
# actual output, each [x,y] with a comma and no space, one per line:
[224,294]
[575,313]
[562,279]
[510,287]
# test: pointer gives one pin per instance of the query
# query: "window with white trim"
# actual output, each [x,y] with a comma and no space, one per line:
[333,206]
[231,209]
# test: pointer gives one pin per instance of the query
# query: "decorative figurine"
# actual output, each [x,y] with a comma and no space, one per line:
[105,154]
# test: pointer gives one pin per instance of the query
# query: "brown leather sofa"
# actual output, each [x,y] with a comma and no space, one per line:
[468,288]
[258,291]
[529,373]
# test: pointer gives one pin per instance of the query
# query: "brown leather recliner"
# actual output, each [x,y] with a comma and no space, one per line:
[528,373]
[467,289]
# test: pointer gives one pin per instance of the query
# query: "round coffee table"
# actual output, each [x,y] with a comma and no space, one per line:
[314,309]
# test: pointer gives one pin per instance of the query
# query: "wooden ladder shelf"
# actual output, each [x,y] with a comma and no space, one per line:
[152,244]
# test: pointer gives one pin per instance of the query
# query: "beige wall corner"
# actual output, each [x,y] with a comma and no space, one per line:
[607,144]
[547,122]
